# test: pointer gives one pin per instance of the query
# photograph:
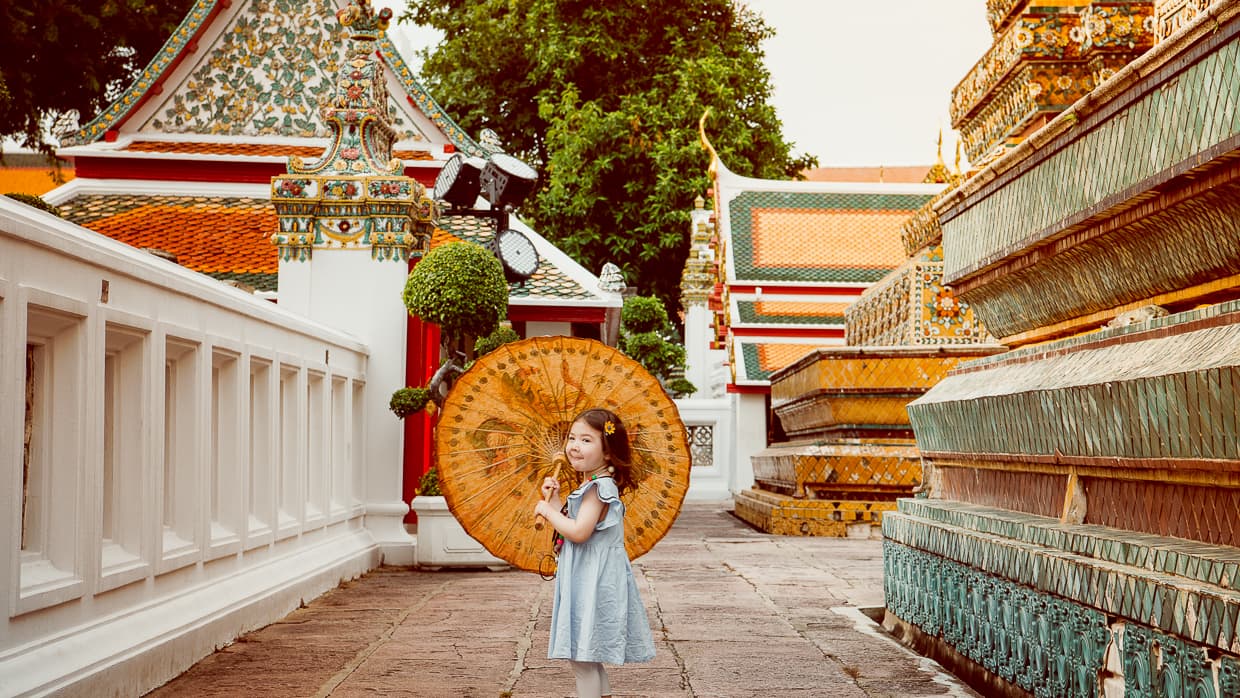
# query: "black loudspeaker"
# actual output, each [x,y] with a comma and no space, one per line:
[516,253]
[506,181]
[458,182]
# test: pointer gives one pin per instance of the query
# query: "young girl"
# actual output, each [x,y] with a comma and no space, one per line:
[598,614]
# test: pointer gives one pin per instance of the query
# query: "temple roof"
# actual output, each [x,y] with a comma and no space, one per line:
[182,161]
[261,69]
[227,237]
[796,254]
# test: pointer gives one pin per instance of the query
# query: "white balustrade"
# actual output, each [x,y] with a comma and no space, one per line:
[183,461]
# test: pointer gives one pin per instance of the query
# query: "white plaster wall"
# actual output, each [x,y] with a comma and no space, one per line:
[697,348]
[348,290]
[86,615]
[749,411]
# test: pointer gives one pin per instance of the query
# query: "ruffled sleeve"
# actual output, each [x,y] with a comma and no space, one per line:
[610,495]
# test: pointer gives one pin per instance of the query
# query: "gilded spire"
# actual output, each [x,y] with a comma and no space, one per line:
[938,174]
[713,170]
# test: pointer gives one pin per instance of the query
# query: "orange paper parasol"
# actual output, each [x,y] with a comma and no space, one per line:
[506,419]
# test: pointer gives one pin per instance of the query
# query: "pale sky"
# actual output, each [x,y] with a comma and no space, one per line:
[857,82]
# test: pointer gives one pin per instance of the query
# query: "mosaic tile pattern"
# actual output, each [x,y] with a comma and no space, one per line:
[808,236]
[912,306]
[267,73]
[1183,588]
[762,359]
[1157,130]
[285,99]
[1042,61]
[790,313]
[1171,15]
[1032,493]
[998,11]
[258,149]
[824,415]
[882,369]
[783,515]
[1195,242]
[1208,514]
[922,230]
[846,469]
[1170,393]
[225,237]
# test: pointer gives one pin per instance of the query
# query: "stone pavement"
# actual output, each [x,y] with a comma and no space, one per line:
[735,612]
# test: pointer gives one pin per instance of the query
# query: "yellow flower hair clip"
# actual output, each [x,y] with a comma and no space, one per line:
[609,428]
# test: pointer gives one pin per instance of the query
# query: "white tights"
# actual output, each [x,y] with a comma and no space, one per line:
[591,679]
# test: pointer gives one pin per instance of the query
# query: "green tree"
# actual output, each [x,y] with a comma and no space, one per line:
[604,99]
[648,337]
[59,56]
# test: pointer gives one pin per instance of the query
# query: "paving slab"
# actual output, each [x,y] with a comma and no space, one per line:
[735,612]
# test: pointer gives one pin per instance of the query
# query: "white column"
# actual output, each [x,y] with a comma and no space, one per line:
[697,347]
[750,434]
[349,291]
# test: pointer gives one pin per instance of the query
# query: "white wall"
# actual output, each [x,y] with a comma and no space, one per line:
[195,467]
[348,290]
[749,427]
[711,482]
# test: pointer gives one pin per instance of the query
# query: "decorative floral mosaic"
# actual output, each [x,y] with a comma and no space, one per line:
[267,73]
[356,194]
[1045,61]
[998,10]
[921,229]
[912,306]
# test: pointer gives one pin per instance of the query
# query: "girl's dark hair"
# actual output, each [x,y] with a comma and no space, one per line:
[615,445]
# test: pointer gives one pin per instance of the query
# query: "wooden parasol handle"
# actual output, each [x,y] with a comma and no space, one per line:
[559,462]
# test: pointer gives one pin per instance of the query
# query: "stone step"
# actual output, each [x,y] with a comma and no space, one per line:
[843,469]
[780,514]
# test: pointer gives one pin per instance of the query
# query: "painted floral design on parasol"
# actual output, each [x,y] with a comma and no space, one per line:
[506,419]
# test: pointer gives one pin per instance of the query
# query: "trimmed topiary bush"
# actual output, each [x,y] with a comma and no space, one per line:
[407,401]
[647,336]
[681,387]
[502,335]
[460,287]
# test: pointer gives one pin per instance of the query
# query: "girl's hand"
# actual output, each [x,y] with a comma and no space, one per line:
[544,509]
[550,488]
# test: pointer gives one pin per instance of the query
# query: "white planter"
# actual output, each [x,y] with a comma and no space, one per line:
[441,540]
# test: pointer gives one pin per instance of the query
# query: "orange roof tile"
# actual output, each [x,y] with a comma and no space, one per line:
[804,238]
[798,308]
[213,235]
[772,357]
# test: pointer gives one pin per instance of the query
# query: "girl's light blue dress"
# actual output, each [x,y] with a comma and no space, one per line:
[598,614]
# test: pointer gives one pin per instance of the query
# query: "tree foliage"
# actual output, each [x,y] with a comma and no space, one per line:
[59,56]
[604,99]
[647,336]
